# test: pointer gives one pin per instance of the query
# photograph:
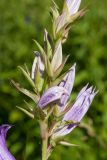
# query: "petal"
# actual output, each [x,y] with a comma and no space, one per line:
[73,6]
[51,95]
[77,112]
[4,152]
[82,91]
[61,21]
[57,58]
[67,83]
[38,60]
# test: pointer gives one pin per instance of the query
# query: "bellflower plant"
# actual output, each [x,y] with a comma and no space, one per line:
[51,87]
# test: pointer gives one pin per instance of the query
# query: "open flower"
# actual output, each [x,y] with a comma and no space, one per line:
[52,95]
[67,83]
[76,112]
[4,152]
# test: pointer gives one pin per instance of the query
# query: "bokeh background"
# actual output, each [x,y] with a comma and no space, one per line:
[20,22]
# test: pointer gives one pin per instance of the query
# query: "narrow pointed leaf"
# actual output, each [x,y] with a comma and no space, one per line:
[29,107]
[65,143]
[28,93]
[48,44]
[41,51]
[26,112]
[38,79]
[27,77]
[49,68]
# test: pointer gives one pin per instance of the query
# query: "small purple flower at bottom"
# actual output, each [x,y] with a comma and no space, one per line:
[4,152]
[77,111]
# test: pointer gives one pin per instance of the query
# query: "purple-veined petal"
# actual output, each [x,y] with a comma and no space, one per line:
[73,6]
[4,152]
[51,95]
[38,60]
[67,83]
[82,91]
[77,111]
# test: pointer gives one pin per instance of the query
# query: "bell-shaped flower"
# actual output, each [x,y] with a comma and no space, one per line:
[4,152]
[67,83]
[52,95]
[76,112]
[37,62]
[73,6]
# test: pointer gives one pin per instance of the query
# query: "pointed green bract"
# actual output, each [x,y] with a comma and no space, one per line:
[27,77]
[28,93]
[26,112]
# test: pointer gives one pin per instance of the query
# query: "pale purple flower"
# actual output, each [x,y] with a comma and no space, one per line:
[53,94]
[73,6]
[77,111]
[67,83]
[37,61]
[4,152]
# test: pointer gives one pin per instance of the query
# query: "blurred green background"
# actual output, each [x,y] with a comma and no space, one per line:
[20,22]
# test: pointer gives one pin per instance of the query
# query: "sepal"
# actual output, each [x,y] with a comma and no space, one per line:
[65,143]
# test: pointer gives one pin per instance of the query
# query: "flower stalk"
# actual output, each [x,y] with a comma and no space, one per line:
[44,130]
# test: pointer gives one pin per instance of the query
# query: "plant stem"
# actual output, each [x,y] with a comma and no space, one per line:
[44,148]
[44,135]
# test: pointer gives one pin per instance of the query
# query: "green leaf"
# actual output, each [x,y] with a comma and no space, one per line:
[26,112]
[29,106]
[42,52]
[49,68]
[28,93]
[65,143]
[27,76]
[48,44]
[38,79]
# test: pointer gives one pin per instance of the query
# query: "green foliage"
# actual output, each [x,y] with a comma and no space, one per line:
[24,20]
